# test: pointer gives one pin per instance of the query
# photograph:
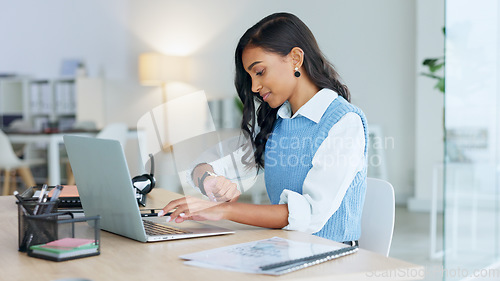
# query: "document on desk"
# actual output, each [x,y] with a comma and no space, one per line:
[274,256]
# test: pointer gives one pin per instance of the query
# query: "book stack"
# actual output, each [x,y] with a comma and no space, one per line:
[69,197]
[65,249]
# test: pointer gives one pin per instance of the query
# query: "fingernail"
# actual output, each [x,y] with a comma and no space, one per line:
[161,213]
[182,214]
[168,218]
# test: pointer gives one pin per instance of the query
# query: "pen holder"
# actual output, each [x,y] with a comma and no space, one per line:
[30,232]
[58,236]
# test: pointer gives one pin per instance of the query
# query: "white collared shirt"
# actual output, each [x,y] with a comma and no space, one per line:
[326,183]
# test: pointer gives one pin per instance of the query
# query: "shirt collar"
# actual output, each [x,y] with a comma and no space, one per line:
[313,109]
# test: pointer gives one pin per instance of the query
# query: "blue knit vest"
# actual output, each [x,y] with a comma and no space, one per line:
[288,158]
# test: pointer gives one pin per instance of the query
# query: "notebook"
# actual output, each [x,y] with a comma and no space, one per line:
[273,256]
[105,189]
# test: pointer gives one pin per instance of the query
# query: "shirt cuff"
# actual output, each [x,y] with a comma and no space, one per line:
[299,210]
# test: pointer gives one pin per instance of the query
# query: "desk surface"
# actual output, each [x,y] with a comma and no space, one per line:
[125,259]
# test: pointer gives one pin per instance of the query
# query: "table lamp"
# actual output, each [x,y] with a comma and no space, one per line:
[157,70]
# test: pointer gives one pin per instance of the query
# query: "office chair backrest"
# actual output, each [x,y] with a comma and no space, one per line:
[114,131]
[377,221]
[8,158]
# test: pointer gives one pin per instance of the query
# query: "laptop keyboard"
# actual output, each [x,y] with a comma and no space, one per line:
[153,228]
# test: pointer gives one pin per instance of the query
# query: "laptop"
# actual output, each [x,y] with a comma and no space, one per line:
[105,189]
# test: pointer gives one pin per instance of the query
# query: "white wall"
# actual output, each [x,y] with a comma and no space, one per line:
[429,104]
[372,44]
[37,35]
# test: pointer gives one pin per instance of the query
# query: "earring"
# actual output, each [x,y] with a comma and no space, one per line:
[297,72]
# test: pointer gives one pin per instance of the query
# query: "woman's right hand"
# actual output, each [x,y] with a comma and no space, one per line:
[220,189]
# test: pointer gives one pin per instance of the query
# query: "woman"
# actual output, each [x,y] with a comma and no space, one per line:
[309,139]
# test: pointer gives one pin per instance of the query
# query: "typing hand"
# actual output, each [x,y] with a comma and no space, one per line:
[220,189]
[190,208]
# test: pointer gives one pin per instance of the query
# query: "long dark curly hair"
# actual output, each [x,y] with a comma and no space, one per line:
[279,33]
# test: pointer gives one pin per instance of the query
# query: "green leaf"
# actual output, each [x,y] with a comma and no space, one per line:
[440,85]
[431,75]
[436,67]
[430,62]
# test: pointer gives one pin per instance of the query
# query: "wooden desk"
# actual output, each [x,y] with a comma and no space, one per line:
[125,259]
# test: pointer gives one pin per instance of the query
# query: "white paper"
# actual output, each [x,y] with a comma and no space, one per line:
[249,257]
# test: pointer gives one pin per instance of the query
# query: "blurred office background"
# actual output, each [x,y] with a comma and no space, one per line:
[439,150]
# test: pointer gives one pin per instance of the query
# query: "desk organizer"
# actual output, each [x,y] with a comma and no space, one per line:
[29,232]
[57,236]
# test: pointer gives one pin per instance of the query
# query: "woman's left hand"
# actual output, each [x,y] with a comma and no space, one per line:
[191,208]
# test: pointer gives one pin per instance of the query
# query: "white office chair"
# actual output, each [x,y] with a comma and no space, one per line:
[10,162]
[377,221]
[113,131]
[31,152]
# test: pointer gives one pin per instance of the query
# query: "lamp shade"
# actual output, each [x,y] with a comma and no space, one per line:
[156,69]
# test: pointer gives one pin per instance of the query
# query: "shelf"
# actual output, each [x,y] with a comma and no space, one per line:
[38,101]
